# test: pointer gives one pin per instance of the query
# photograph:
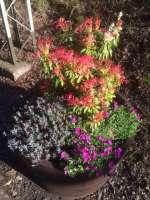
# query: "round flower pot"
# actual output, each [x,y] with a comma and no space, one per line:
[49,177]
[54,181]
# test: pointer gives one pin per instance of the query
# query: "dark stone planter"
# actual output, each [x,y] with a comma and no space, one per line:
[51,178]
[54,181]
[57,183]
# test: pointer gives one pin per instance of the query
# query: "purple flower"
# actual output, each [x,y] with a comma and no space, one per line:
[73,119]
[101,138]
[105,115]
[116,106]
[65,171]
[64,155]
[85,154]
[77,131]
[106,151]
[109,142]
[87,168]
[118,153]
[104,154]
[109,149]
[94,155]
[85,138]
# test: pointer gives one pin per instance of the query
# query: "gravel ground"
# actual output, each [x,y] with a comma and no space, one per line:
[131,180]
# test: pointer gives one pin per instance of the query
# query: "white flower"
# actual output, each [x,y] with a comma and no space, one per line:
[120,15]
[108,36]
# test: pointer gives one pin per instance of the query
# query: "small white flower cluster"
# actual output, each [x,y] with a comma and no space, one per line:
[114,30]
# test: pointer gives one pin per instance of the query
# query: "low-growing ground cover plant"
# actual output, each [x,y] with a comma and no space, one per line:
[39,128]
[86,130]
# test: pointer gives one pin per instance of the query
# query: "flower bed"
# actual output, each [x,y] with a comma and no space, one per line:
[77,122]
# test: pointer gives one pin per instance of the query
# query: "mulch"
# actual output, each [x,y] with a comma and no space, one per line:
[131,180]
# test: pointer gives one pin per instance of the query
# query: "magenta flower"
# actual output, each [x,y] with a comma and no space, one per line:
[105,115]
[109,149]
[118,153]
[87,168]
[104,154]
[85,138]
[101,138]
[77,131]
[106,151]
[109,142]
[94,155]
[65,171]
[64,155]
[73,119]
[85,154]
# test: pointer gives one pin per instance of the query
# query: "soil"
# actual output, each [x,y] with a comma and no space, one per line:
[131,180]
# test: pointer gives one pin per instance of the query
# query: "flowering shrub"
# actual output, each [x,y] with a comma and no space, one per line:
[89,154]
[79,64]
[94,40]
[91,83]
[97,153]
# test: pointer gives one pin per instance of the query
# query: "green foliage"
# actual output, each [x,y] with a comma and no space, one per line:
[121,124]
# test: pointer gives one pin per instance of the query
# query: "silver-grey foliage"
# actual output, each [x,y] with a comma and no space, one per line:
[39,126]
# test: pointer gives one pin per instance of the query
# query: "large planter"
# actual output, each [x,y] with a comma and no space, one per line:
[47,175]
[52,179]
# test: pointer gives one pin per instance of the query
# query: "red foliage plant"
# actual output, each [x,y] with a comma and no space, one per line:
[91,83]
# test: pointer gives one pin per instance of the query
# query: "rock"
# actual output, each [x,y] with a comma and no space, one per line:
[14,71]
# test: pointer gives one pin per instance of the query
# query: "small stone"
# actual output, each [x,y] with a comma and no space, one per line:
[14,71]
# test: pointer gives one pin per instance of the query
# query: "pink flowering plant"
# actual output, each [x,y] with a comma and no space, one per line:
[98,153]
[78,64]
[89,154]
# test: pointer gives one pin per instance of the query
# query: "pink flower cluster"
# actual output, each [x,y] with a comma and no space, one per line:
[89,150]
